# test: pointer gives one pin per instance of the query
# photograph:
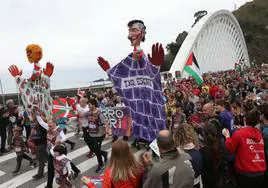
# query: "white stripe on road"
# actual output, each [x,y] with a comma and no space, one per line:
[13,154]
[7,157]
[2,173]
[88,164]
[27,176]
[83,167]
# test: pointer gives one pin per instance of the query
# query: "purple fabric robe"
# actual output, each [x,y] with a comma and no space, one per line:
[139,86]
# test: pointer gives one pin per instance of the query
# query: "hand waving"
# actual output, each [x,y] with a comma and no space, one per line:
[103,63]
[157,57]
[49,69]
[13,69]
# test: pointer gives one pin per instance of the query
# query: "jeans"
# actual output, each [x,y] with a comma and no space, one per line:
[20,156]
[3,135]
[87,138]
[96,148]
[41,156]
[50,171]
[10,135]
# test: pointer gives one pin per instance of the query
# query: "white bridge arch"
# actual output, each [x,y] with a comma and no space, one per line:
[217,42]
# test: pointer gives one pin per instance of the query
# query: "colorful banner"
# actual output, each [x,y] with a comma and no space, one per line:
[62,109]
[92,181]
[118,118]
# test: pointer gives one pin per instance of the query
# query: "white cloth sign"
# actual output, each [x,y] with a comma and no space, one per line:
[155,148]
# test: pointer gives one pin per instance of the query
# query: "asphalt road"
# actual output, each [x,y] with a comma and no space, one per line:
[23,179]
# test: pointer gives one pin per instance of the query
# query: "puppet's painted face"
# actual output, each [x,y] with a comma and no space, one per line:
[135,35]
[34,53]
[33,57]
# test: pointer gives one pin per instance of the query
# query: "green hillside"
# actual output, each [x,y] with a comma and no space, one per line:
[253,18]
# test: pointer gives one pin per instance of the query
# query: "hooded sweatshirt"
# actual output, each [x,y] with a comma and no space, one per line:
[248,146]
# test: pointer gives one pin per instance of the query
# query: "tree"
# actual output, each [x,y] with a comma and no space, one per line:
[198,15]
[253,19]
[172,49]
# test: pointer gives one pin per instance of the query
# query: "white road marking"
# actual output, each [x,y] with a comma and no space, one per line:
[27,176]
[2,173]
[88,164]
[13,154]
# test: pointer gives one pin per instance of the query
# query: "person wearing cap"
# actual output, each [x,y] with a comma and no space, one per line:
[19,145]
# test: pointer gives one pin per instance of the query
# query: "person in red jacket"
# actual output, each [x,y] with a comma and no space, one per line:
[124,171]
[248,146]
[213,90]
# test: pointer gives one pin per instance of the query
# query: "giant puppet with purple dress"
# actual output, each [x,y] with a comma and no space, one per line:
[137,81]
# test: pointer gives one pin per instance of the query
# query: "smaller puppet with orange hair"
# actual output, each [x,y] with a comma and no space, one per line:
[34,55]
[35,91]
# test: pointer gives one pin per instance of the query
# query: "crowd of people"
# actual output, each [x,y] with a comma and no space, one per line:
[216,136]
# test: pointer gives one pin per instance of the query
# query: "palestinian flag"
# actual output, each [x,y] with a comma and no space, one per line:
[192,68]
[61,108]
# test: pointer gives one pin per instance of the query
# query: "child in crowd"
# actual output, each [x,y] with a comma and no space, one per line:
[62,166]
[19,145]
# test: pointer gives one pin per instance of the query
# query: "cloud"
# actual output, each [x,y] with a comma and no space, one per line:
[74,33]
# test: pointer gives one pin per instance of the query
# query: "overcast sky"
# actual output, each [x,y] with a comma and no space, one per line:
[74,33]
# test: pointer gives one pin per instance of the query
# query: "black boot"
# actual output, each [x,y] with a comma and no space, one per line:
[33,163]
[99,168]
[15,171]
[76,170]
[71,143]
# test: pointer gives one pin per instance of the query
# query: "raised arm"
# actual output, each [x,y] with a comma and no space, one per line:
[41,122]
[62,137]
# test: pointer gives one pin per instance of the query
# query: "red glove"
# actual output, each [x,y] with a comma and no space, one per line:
[49,69]
[157,55]
[13,69]
[103,63]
